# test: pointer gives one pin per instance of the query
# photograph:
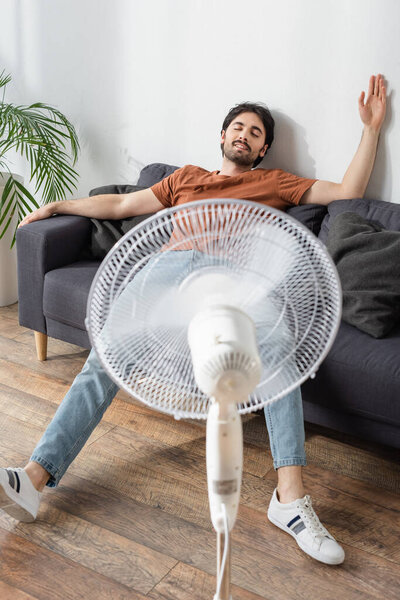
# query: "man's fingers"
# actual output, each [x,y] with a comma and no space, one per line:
[376,85]
[25,221]
[382,88]
[361,99]
[371,85]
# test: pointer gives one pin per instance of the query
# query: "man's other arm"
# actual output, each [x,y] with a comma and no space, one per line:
[104,206]
[357,176]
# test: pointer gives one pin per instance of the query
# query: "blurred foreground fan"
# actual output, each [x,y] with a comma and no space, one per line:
[211,310]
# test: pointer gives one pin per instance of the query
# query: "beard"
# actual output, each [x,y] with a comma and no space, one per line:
[244,159]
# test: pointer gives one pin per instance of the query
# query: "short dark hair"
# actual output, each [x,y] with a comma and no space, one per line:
[259,109]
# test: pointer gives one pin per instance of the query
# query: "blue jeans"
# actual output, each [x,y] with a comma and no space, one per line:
[93,391]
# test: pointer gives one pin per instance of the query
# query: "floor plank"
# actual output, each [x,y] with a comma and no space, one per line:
[184,582]
[44,574]
[10,592]
[97,548]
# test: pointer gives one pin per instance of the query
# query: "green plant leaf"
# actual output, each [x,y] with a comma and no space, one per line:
[6,192]
[5,212]
[48,141]
[6,227]
[15,195]
[4,79]
[26,193]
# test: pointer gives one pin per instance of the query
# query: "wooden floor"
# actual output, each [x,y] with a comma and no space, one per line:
[130,519]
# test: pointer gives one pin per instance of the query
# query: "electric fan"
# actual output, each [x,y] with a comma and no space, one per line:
[210,310]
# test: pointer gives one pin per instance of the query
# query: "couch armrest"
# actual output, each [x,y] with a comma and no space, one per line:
[41,247]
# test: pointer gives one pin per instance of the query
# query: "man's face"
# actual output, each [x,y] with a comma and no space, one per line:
[244,139]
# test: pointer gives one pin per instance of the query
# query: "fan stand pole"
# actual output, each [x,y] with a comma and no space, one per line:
[225,586]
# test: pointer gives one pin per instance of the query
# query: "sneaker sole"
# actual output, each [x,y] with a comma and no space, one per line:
[315,555]
[13,509]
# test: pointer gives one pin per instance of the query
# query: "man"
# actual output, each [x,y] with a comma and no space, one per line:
[246,135]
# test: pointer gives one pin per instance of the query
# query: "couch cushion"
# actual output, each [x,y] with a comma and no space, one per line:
[360,375]
[155,172]
[367,260]
[66,293]
[115,188]
[106,232]
[387,214]
[311,215]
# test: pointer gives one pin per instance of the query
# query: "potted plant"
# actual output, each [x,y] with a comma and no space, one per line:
[48,141]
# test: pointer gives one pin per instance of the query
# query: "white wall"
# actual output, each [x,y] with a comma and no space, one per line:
[148,81]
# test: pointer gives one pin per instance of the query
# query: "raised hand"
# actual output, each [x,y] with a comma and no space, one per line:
[372,112]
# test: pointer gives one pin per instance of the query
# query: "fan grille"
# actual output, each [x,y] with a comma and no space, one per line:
[280,274]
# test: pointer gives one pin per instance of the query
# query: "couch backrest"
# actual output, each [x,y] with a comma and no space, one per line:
[155,172]
[386,214]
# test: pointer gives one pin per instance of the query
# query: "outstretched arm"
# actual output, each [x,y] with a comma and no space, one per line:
[356,178]
[105,206]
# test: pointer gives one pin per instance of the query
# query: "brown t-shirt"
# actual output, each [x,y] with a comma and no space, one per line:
[272,187]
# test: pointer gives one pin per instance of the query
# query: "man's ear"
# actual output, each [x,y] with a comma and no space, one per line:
[222,136]
[263,150]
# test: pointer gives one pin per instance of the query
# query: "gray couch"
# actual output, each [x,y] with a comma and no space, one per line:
[357,388]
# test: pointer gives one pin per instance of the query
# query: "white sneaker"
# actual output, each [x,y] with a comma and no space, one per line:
[18,496]
[298,518]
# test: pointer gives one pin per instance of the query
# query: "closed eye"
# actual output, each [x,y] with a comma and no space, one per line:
[255,132]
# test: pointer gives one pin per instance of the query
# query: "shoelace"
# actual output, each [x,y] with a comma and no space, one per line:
[311,520]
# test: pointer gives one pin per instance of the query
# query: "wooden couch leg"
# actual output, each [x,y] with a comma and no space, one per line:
[41,345]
